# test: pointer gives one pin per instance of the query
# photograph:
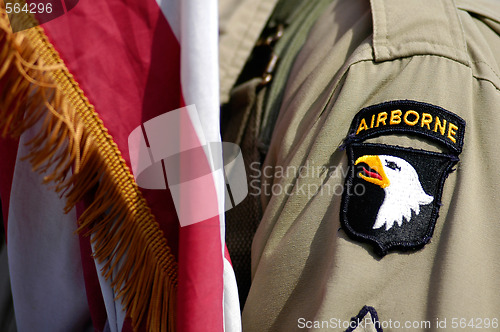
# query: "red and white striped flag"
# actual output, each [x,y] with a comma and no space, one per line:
[78,89]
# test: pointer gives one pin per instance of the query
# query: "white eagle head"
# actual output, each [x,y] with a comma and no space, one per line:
[400,181]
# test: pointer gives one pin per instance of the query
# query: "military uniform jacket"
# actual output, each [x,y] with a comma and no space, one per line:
[381,188]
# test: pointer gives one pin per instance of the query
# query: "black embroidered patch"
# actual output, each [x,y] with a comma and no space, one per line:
[398,204]
[361,320]
[408,116]
[393,193]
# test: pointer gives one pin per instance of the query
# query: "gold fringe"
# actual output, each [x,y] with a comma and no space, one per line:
[78,155]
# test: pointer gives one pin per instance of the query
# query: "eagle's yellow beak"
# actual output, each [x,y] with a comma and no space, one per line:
[375,174]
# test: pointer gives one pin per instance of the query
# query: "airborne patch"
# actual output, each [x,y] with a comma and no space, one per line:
[398,208]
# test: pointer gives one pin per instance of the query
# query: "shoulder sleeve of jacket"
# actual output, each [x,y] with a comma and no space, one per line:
[360,54]
[388,51]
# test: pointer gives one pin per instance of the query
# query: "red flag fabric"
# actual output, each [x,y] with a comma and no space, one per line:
[119,64]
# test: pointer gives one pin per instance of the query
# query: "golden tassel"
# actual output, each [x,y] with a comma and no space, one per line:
[75,152]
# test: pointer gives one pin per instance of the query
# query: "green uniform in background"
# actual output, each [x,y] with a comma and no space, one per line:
[384,86]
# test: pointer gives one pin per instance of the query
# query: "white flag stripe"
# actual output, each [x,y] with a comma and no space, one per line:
[197,32]
[200,85]
[44,254]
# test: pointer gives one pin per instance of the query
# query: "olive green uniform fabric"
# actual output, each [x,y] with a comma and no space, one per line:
[250,115]
[240,25]
[362,53]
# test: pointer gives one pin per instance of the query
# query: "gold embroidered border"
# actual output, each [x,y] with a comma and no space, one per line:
[77,154]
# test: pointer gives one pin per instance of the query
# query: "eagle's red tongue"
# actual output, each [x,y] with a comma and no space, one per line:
[372,174]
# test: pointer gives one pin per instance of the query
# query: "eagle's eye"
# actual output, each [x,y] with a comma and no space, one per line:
[392,165]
